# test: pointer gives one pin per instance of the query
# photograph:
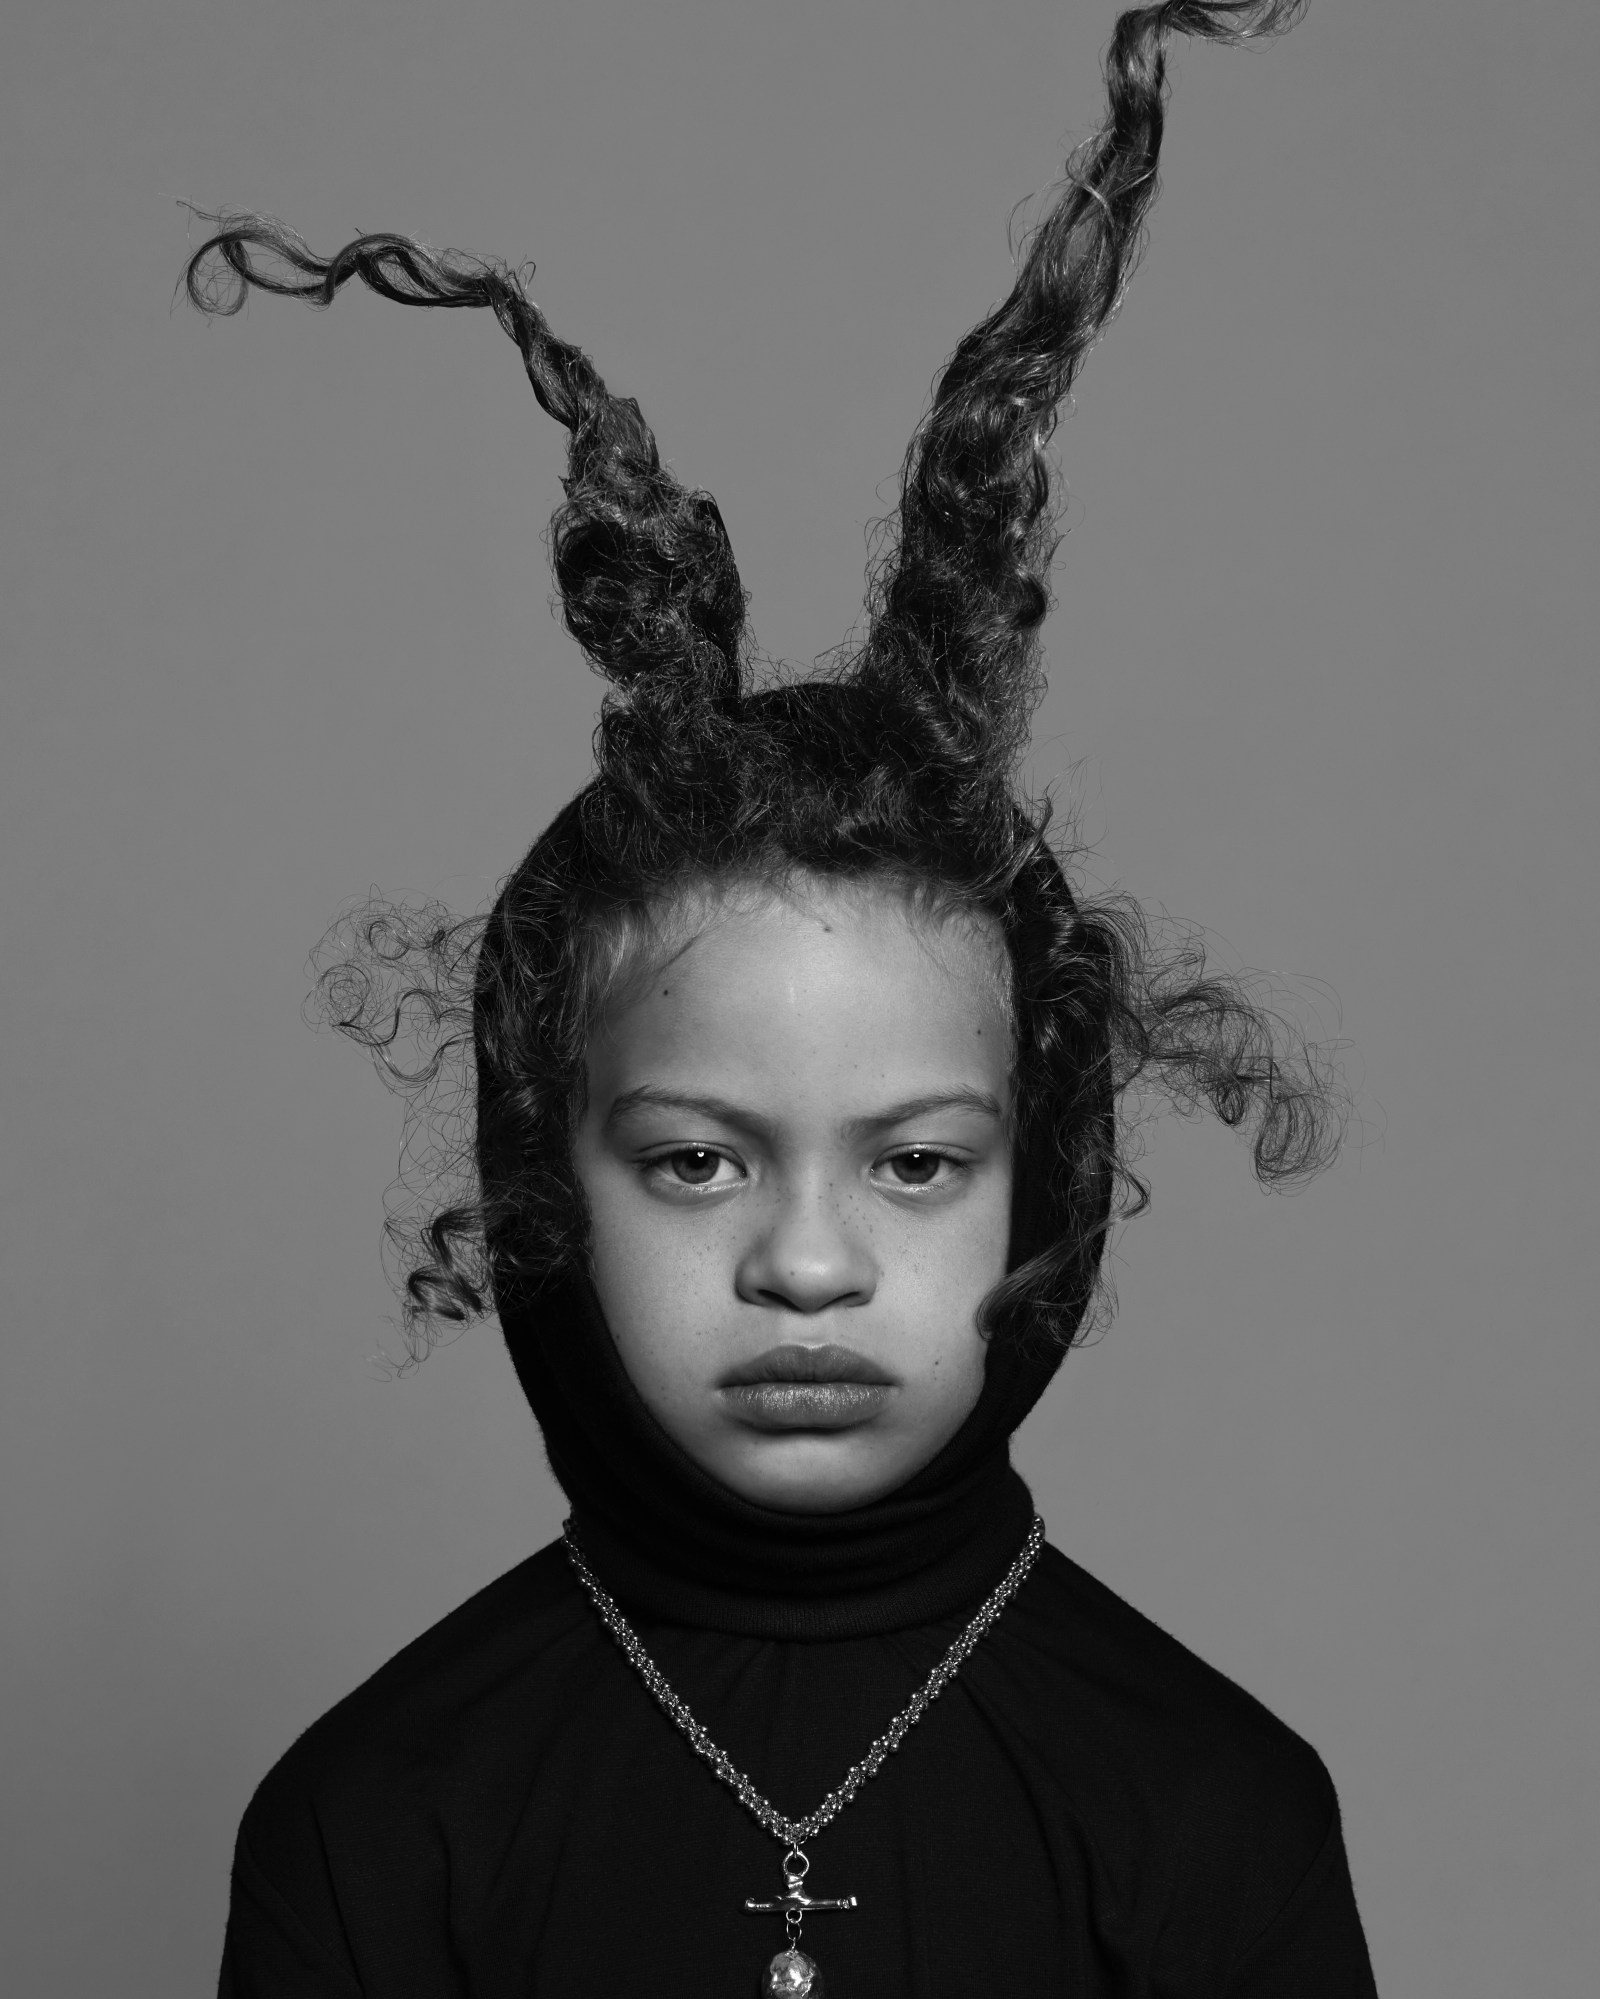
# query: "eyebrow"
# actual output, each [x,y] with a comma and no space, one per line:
[721,1110]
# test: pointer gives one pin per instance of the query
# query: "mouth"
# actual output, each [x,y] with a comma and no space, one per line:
[807,1388]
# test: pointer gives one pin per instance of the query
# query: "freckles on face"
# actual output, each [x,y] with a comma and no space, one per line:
[796,1157]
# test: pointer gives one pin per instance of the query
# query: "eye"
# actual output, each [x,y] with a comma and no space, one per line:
[918,1166]
[695,1166]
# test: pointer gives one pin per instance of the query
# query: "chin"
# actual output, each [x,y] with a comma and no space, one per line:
[796,1476]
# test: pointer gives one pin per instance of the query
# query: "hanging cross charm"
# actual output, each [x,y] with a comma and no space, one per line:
[794,1903]
[791,1974]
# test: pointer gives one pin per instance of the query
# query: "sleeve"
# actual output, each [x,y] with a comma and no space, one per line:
[283,1946]
[1314,1948]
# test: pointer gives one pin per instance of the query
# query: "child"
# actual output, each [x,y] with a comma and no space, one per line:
[797,1070]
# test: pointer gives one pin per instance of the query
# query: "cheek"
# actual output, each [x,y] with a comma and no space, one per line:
[950,1265]
[654,1282]
[943,1273]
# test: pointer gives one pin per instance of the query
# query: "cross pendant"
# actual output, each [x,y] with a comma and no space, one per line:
[794,1903]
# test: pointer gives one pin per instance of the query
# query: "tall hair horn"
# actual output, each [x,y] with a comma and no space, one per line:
[958,597]
[644,566]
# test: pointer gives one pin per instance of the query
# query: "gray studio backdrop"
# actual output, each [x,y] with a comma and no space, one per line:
[276,629]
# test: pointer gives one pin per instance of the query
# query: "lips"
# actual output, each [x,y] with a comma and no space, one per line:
[797,1363]
[796,1387]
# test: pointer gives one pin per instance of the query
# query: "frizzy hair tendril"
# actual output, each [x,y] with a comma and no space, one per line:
[645,568]
[962,586]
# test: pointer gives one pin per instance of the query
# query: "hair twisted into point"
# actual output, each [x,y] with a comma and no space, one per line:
[898,769]
[963,586]
[645,570]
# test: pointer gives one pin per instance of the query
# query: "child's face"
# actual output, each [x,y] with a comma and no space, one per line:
[797,1161]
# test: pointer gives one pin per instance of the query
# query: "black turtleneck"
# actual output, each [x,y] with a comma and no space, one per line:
[503,1811]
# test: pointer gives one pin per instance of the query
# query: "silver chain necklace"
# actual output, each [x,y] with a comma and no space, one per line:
[792,1974]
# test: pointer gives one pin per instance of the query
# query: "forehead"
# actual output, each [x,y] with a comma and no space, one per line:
[816,990]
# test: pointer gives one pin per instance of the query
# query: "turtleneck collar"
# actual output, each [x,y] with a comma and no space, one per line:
[676,1545]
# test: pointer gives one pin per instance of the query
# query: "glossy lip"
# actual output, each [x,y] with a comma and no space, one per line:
[796,1387]
[793,1362]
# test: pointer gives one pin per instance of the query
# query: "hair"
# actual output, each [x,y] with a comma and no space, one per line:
[897,765]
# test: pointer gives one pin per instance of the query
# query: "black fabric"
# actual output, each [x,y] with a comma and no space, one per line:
[502,1810]
[1088,1811]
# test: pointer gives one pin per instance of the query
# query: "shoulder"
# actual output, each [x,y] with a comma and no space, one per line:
[511,1658]
[351,1854]
[1205,1811]
[1171,1720]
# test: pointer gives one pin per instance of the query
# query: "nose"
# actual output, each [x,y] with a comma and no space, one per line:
[808,1252]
